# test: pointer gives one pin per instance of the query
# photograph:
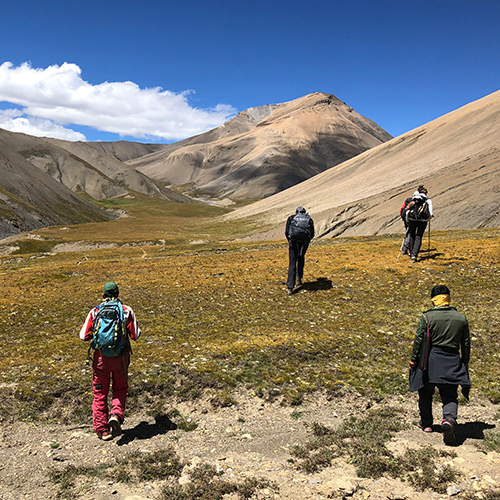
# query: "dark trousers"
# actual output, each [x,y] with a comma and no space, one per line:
[416,230]
[296,257]
[449,397]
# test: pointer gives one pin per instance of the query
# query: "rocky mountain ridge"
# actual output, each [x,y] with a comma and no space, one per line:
[264,150]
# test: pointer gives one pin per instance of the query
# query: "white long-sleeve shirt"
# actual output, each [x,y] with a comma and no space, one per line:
[416,194]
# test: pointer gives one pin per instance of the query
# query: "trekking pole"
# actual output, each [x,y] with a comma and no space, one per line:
[401,248]
[402,245]
[429,238]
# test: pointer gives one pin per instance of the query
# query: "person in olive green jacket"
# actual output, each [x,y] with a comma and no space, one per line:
[441,349]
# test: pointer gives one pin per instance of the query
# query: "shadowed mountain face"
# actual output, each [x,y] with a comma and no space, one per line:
[40,179]
[31,199]
[80,166]
[457,157]
[265,150]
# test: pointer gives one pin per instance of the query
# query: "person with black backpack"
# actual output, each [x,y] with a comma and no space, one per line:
[299,232]
[418,212]
[110,326]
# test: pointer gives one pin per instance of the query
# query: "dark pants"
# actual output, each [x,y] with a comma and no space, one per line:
[449,397]
[296,257]
[416,230]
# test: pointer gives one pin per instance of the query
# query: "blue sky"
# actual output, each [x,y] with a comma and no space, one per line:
[159,71]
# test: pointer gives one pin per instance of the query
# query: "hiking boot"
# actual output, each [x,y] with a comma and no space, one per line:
[105,436]
[426,428]
[115,425]
[414,258]
[298,282]
[447,425]
[289,291]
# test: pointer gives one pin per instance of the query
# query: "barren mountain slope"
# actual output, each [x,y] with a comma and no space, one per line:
[79,166]
[456,156]
[242,123]
[31,199]
[265,150]
[100,174]
[125,150]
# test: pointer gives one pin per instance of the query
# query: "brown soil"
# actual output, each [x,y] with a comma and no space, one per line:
[250,439]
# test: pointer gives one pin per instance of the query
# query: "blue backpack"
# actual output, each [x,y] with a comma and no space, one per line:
[108,333]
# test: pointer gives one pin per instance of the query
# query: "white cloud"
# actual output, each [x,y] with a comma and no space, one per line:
[58,95]
[13,120]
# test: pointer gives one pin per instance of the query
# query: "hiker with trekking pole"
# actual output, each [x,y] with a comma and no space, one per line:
[110,326]
[418,213]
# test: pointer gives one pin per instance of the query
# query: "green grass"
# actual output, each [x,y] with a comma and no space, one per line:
[216,318]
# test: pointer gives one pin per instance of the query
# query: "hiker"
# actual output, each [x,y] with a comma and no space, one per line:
[111,359]
[440,358]
[418,213]
[299,232]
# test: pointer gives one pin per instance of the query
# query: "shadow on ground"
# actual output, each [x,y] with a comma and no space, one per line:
[146,430]
[314,286]
[471,430]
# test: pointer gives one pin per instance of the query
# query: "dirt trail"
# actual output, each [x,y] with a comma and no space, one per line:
[251,439]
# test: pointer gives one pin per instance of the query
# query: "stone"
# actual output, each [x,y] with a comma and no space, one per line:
[453,490]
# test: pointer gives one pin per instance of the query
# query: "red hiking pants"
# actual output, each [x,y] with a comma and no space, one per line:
[109,371]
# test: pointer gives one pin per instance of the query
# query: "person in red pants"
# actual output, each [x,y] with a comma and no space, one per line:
[110,365]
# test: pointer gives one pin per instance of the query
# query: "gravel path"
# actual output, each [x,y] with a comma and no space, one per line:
[251,439]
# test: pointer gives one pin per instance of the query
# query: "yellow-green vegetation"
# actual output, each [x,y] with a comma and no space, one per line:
[216,319]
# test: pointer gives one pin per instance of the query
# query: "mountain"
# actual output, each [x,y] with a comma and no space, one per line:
[80,166]
[457,157]
[264,150]
[41,177]
[31,199]
[125,150]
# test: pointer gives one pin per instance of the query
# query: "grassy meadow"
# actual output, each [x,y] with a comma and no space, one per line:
[216,319]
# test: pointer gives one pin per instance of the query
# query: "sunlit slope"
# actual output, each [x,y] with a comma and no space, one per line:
[457,157]
[266,149]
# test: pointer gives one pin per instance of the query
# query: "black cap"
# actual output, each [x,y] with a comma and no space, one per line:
[440,290]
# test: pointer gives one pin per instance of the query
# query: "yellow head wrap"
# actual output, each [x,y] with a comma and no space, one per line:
[441,300]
